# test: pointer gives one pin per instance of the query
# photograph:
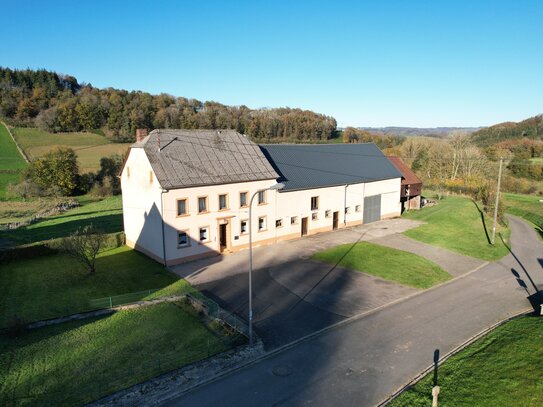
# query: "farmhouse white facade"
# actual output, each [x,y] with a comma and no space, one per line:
[186,192]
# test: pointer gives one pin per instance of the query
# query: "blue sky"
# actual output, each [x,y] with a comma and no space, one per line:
[366,63]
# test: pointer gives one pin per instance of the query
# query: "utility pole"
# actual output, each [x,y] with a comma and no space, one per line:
[497,201]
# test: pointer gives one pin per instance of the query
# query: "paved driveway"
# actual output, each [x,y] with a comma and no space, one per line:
[295,296]
[359,363]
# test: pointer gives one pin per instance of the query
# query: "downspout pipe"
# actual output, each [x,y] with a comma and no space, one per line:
[345,206]
[162,220]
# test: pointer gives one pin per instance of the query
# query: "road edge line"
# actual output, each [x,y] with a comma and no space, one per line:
[451,353]
[315,334]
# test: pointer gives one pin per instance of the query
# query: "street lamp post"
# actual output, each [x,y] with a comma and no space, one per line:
[274,187]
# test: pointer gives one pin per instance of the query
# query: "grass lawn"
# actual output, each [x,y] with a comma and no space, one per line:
[501,369]
[74,363]
[105,214]
[527,207]
[389,264]
[89,147]
[456,224]
[11,161]
[50,286]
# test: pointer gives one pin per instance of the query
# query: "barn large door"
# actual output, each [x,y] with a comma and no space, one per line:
[372,208]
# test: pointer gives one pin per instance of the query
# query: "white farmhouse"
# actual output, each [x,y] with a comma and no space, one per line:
[186,193]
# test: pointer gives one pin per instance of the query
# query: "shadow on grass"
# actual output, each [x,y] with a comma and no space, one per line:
[27,337]
[482,214]
[35,233]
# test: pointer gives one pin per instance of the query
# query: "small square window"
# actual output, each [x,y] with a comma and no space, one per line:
[150,177]
[204,234]
[183,239]
[202,204]
[262,223]
[182,207]
[243,227]
[357,208]
[223,202]
[128,172]
[314,203]
[243,199]
[314,216]
[279,223]
[348,210]
[294,220]
[327,213]
[261,197]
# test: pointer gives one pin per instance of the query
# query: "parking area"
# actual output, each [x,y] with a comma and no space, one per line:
[294,296]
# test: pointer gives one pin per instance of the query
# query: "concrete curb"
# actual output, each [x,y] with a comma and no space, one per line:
[452,352]
[315,334]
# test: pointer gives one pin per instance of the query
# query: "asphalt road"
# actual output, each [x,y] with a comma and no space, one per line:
[361,362]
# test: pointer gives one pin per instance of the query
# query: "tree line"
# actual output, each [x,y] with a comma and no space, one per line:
[531,128]
[59,103]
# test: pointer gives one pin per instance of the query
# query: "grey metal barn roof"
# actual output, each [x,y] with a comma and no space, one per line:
[204,157]
[320,165]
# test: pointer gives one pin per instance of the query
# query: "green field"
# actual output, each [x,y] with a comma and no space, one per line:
[74,363]
[106,215]
[527,207]
[51,286]
[456,224]
[389,264]
[501,369]
[11,161]
[537,160]
[89,147]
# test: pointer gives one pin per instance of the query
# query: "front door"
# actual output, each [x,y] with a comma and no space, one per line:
[335,220]
[223,240]
[304,226]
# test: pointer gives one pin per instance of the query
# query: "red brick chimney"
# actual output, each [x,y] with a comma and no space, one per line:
[140,134]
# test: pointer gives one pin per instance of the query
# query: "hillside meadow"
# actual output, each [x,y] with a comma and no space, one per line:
[11,161]
[89,147]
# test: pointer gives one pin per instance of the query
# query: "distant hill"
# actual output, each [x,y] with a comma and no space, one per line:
[531,128]
[59,103]
[418,131]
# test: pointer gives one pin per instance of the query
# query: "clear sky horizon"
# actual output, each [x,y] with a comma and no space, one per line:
[368,63]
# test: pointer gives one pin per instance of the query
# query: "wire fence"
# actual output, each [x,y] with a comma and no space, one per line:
[214,311]
[104,372]
[102,377]
[122,299]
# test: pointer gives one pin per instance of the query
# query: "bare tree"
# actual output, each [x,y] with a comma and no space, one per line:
[84,245]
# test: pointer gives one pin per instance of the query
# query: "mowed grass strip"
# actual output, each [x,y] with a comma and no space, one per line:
[105,215]
[390,264]
[11,161]
[89,147]
[52,286]
[501,369]
[527,207]
[74,363]
[456,224]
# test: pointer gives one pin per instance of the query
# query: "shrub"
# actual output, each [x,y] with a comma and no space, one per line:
[84,245]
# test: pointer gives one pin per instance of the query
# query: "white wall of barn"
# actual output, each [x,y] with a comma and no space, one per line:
[145,203]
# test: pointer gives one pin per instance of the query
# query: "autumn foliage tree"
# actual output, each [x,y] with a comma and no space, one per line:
[56,171]
[59,103]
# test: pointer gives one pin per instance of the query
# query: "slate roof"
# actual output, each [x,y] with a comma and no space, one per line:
[408,176]
[190,158]
[308,166]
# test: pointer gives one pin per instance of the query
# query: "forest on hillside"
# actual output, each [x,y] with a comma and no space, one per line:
[531,128]
[59,103]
